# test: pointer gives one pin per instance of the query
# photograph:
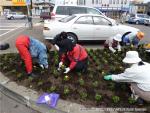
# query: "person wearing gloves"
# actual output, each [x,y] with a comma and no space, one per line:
[30,48]
[59,42]
[77,56]
[113,42]
[137,75]
[133,38]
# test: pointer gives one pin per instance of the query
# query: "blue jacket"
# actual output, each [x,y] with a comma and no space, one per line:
[131,39]
[38,50]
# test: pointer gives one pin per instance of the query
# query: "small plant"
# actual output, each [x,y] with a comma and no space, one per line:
[131,100]
[115,99]
[19,75]
[40,83]
[81,81]
[95,83]
[52,88]
[30,78]
[83,95]
[66,78]
[111,86]
[66,90]
[98,97]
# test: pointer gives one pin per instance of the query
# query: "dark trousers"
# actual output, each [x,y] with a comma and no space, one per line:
[82,65]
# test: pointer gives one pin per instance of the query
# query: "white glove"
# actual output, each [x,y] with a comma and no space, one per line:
[60,64]
[42,66]
[112,49]
[56,46]
[46,67]
[67,70]
[119,48]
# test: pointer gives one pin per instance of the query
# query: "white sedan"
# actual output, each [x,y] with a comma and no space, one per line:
[15,15]
[85,27]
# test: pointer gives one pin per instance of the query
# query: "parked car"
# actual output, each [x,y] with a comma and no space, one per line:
[60,11]
[147,21]
[85,27]
[45,15]
[15,15]
[138,18]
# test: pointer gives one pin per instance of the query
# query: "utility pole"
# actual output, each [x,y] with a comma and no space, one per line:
[29,8]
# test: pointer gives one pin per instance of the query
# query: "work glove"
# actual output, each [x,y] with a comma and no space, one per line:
[42,66]
[46,66]
[119,48]
[112,49]
[60,64]
[56,46]
[67,70]
[108,77]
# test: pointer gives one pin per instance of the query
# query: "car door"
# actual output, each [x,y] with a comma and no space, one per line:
[103,28]
[83,28]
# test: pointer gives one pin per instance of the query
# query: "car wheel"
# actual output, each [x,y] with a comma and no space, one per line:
[137,22]
[11,17]
[73,37]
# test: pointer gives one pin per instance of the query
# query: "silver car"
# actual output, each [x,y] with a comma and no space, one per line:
[15,15]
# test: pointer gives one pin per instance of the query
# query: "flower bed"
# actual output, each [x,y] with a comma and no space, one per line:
[88,88]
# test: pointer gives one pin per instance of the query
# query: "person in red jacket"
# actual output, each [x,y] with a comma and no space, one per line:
[77,56]
[29,48]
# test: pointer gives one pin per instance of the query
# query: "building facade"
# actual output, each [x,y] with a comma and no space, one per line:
[12,5]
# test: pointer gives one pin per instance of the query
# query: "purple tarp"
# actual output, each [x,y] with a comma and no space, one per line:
[53,99]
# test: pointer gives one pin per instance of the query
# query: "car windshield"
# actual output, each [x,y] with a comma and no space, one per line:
[67,19]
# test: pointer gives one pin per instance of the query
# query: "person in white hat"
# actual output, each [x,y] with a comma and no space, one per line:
[137,75]
[113,43]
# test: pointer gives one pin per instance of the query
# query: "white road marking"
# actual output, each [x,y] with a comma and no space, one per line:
[5,29]
[11,36]
[9,31]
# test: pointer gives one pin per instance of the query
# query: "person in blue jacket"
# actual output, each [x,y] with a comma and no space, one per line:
[133,38]
[29,49]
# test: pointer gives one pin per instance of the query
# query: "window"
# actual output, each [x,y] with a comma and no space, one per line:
[67,19]
[96,1]
[77,10]
[110,1]
[114,1]
[101,21]
[92,1]
[62,10]
[121,1]
[117,1]
[92,11]
[84,20]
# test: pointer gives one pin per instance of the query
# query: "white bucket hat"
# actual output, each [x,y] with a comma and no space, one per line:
[132,57]
[117,37]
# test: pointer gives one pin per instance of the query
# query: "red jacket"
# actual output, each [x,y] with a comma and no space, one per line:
[22,44]
[77,54]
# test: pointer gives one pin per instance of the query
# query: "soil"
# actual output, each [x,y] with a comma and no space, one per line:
[88,88]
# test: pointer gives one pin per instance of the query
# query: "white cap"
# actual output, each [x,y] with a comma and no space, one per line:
[132,57]
[117,37]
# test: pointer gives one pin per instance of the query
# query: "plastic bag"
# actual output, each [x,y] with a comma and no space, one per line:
[49,99]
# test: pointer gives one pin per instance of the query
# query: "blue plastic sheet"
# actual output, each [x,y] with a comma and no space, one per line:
[49,99]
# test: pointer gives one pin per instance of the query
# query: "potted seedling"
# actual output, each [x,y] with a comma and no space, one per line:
[115,99]
[83,95]
[95,84]
[66,78]
[52,88]
[98,97]
[131,100]
[81,81]
[66,90]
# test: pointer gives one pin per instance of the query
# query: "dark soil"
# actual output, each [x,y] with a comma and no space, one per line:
[89,88]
